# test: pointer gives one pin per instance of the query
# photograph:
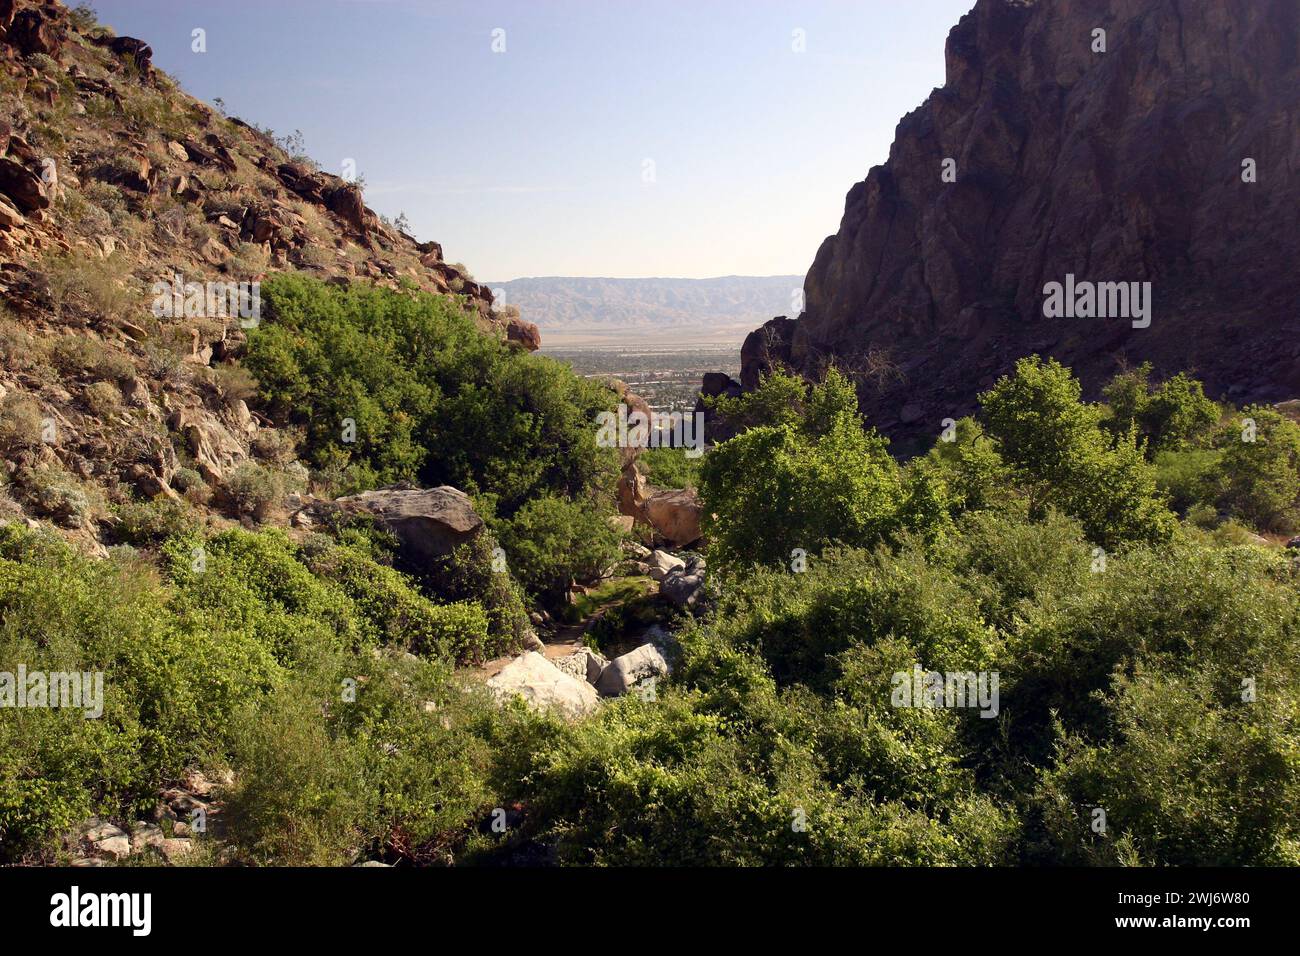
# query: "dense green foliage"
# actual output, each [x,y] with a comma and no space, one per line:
[1057,448]
[670,467]
[1146,667]
[429,398]
[810,477]
[237,654]
[552,542]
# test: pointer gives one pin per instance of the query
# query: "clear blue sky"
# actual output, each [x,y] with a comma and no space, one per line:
[530,162]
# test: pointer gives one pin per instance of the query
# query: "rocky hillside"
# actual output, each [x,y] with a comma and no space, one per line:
[113,180]
[1164,150]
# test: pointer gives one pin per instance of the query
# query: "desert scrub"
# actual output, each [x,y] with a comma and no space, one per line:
[255,490]
[149,523]
[18,348]
[83,18]
[235,382]
[191,486]
[98,285]
[61,497]
[248,259]
[276,445]
[20,423]
[102,399]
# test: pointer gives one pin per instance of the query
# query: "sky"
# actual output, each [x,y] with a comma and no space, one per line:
[636,138]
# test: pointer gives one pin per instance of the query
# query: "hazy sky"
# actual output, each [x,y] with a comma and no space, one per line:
[534,161]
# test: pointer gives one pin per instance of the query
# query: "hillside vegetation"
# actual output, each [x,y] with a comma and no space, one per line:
[189,527]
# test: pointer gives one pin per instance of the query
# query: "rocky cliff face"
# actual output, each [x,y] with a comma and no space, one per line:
[1173,157]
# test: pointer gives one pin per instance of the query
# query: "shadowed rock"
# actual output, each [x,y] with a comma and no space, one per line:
[1128,165]
[429,523]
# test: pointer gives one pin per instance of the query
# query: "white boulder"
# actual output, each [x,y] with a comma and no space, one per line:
[544,687]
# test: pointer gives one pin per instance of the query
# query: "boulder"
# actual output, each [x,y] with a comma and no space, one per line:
[682,587]
[22,186]
[623,673]
[675,515]
[34,30]
[97,832]
[145,834]
[544,687]
[429,523]
[173,849]
[662,564]
[345,202]
[214,448]
[10,218]
[137,51]
[585,664]
[523,333]
[116,848]
[631,488]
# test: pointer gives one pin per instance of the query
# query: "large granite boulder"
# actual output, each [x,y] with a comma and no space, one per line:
[429,523]
[544,687]
[675,515]
[623,673]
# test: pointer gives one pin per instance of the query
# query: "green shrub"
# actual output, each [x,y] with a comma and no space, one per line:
[1180,779]
[103,399]
[800,485]
[1258,474]
[1056,444]
[469,574]
[145,523]
[403,616]
[1187,476]
[1168,417]
[191,486]
[255,489]
[20,423]
[430,397]
[551,542]
[670,467]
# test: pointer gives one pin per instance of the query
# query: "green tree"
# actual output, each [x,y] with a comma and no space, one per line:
[551,542]
[776,488]
[1257,477]
[1058,449]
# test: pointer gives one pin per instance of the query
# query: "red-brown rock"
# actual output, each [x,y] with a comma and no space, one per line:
[35,30]
[22,186]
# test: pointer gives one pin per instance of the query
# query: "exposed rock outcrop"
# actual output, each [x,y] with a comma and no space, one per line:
[624,673]
[675,515]
[428,522]
[524,334]
[544,687]
[1170,158]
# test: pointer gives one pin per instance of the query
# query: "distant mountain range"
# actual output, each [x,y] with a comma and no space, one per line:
[574,310]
